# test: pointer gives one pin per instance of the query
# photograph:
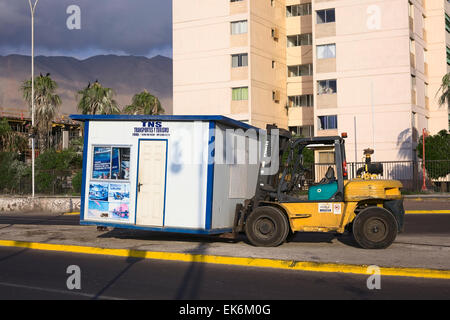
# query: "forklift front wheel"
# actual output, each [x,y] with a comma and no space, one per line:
[267,227]
[375,228]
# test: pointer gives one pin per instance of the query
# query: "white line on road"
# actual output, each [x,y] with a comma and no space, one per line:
[87,295]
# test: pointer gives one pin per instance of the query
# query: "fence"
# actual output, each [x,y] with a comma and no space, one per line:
[410,173]
[47,182]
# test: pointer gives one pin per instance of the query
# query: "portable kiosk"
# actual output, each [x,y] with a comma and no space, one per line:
[166,173]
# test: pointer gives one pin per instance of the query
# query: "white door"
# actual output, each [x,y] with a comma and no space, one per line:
[151,183]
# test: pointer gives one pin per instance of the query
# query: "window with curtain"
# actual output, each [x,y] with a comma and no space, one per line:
[327,122]
[326,51]
[327,86]
[299,40]
[300,70]
[239,27]
[298,10]
[301,101]
[239,60]
[240,94]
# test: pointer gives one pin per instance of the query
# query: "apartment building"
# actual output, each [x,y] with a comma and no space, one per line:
[318,67]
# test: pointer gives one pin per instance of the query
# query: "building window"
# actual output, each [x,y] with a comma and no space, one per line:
[298,10]
[239,27]
[327,86]
[327,122]
[303,131]
[239,60]
[299,40]
[326,157]
[326,16]
[326,51]
[236,0]
[300,70]
[306,100]
[240,93]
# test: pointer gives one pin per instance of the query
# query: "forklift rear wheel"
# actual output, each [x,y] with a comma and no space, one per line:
[267,227]
[375,228]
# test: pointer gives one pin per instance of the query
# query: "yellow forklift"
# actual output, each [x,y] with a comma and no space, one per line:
[368,207]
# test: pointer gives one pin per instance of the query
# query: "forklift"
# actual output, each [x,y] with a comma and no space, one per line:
[369,208]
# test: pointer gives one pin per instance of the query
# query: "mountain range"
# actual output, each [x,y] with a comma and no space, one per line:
[126,75]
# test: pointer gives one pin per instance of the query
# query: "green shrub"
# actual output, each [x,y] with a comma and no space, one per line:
[53,169]
[76,182]
[14,174]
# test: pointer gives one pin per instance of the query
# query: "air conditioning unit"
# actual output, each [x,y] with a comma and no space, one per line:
[276,95]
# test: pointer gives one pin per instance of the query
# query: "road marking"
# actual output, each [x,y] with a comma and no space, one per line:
[87,295]
[236,261]
[427,211]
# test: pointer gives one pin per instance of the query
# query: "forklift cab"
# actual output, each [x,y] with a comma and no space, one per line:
[284,185]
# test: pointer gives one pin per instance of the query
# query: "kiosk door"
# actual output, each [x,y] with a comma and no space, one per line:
[151,183]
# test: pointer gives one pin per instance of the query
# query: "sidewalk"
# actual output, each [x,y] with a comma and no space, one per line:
[424,196]
[409,250]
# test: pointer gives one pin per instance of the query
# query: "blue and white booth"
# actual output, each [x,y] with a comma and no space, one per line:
[166,173]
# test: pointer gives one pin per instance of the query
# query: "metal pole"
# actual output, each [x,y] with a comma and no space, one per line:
[32,10]
[356,148]
[373,115]
[424,186]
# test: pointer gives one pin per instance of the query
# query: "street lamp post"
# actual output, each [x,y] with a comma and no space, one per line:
[32,10]
[424,185]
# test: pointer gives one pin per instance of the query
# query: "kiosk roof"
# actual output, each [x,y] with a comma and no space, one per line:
[120,117]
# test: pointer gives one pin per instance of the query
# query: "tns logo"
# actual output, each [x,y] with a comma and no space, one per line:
[152,124]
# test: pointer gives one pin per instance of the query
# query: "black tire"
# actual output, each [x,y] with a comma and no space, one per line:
[267,227]
[375,228]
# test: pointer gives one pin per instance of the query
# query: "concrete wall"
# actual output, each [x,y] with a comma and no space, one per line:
[45,204]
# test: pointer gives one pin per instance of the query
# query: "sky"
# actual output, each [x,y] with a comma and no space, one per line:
[122,27]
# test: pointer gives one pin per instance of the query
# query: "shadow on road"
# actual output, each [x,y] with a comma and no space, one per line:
[131,262]
[192,279]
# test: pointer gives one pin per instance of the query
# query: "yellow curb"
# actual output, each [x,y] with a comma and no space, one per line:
[236,261]
[427,211]
[71,214]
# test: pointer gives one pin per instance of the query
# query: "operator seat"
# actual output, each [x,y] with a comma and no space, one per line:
[325,189]
[329,176]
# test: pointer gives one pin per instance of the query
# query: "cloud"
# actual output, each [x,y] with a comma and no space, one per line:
[134,27]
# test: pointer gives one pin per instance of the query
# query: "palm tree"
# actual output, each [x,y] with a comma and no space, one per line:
[444,91]
[144,103]
[46,105]
[96,99]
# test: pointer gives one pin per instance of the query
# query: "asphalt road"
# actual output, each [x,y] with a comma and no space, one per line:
[32,274]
